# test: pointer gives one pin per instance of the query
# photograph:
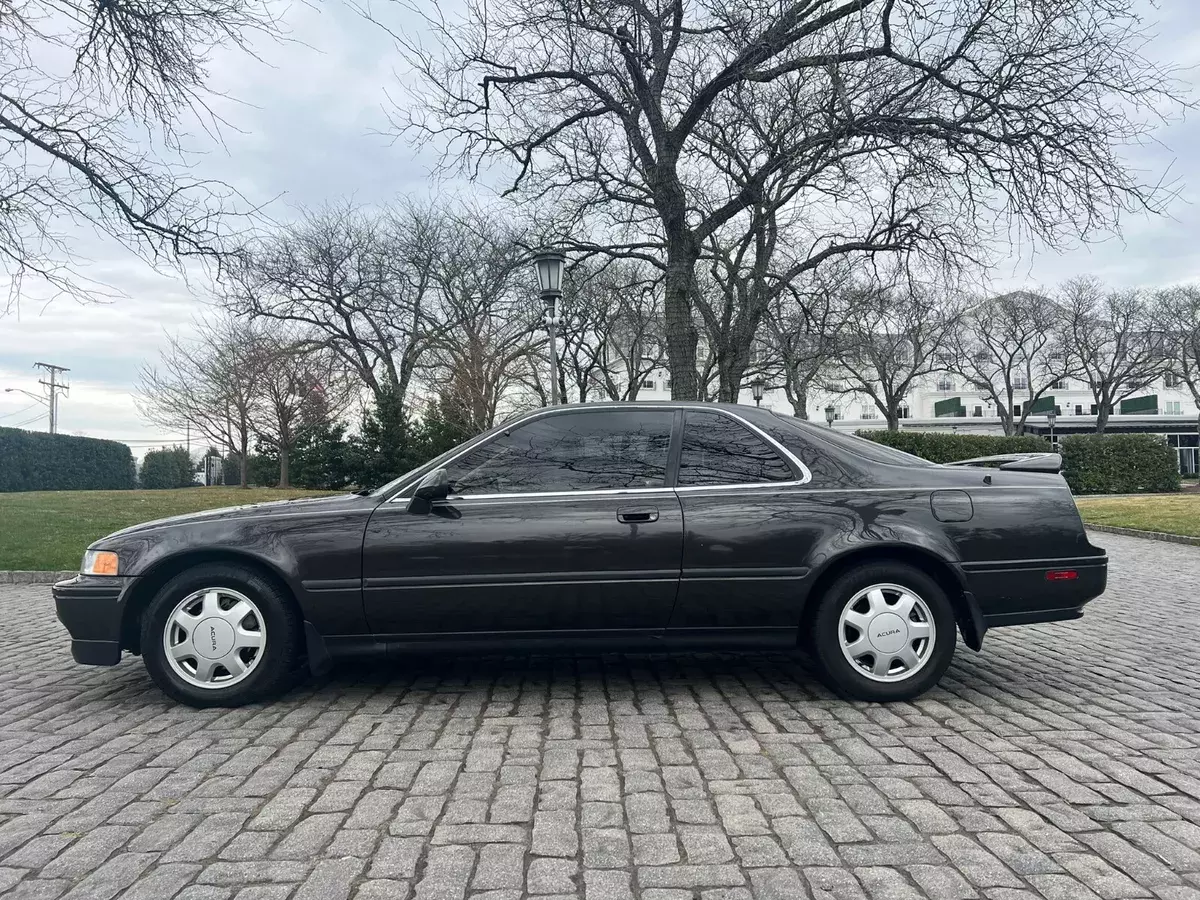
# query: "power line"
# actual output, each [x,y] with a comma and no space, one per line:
[18,412]
[27,421]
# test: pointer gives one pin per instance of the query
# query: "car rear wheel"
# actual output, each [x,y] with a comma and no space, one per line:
[220,634]
[883,631]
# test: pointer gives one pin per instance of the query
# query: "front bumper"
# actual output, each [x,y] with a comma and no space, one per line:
[91,607]
[1027,591]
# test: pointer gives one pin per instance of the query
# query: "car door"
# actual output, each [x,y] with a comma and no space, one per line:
[563,523]
[746,543]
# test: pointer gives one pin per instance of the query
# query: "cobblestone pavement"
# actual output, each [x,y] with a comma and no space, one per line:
[1062,762]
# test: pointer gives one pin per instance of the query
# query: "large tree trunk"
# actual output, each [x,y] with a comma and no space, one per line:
[283,466]
[800,402]
[681,333]
[1102,413]
[244,464]
[893,418]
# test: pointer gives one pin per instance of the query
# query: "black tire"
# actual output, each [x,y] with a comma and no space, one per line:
[847,679]
[282,655]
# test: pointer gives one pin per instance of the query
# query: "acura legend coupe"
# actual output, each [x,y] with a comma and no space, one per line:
[629,526]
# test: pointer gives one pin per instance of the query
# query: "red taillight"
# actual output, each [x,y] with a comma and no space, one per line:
[1062,575]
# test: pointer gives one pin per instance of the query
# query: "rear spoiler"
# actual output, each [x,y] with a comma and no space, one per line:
[1016,462]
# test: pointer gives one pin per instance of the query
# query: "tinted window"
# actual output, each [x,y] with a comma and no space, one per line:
[582,451]
[720,450]
[858,446]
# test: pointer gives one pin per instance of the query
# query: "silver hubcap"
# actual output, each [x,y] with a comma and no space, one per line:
[214,638]
[887,632]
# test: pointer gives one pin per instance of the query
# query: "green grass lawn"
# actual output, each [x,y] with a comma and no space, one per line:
[49,530]
[1171,514]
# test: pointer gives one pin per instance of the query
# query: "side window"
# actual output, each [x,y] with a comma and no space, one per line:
[720,450]
[577,451]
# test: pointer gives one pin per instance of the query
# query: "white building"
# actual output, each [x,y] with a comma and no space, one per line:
[1174,414]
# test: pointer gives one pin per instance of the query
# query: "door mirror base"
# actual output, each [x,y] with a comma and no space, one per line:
[434,486]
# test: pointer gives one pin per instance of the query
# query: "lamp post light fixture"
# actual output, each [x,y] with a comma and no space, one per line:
[756,388]
[1051,418]
[550,266]
[830,415]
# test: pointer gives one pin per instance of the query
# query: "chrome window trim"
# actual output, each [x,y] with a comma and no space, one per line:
[795,461]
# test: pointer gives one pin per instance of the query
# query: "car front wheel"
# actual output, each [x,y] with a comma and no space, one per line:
[221,635]
[883,631]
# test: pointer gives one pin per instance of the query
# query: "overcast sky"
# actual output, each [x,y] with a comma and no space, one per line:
[307,125]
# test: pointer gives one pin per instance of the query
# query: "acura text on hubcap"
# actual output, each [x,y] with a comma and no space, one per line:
[214,638]
[886,632]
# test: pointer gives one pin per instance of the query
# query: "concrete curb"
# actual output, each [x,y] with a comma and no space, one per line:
[20,577]
[1148,535]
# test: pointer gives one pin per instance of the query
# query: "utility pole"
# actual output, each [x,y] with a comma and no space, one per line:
[55,387]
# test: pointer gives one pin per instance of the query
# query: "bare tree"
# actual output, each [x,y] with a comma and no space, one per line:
[1110,338]
[482,317]
[891,338]
[940,117]
[91,97]
[356,283]
[299,387]
[1008,348]
[1177,313]
[612,329]
[211,382]
[803,326]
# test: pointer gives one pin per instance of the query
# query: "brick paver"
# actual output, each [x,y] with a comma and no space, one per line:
[1063,762]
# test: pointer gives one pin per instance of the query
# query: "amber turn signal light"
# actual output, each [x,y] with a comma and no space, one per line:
[99,562]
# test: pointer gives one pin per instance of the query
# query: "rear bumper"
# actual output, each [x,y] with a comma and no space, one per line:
[91,608]
[1021,592]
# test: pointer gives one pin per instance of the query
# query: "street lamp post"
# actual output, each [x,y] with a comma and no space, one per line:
[550,266]
[1051,418]
[756,388]
[830,415]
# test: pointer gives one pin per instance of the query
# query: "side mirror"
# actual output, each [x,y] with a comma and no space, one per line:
[434,486]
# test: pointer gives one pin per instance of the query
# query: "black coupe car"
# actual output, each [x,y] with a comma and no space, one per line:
[636,526]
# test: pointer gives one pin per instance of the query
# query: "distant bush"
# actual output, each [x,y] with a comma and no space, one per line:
[943,448]
[163,469]
[37,461]
[1119,464]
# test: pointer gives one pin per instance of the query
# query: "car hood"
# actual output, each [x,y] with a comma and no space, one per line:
[280,508]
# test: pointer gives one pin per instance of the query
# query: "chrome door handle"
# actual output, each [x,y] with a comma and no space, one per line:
[634,515]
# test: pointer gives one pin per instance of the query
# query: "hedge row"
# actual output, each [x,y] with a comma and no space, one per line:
[944,448]
[167,469]
[1119,464]
[1092,463]
[37,461]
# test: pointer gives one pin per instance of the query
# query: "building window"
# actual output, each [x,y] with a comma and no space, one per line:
[1060,385]
[1095,410]
[648,383]
[1020,382]
[944,359]
[1017,410]
[945,383]
[868,412]
[1171,380]
[903,412]
[979,412]
[1171,408]
[1079,409]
